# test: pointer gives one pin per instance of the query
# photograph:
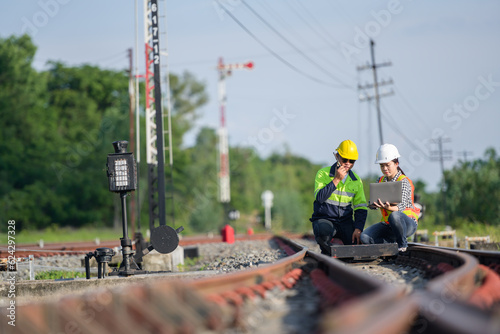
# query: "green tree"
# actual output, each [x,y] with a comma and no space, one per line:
[473,189]
[27,127]
[57,128]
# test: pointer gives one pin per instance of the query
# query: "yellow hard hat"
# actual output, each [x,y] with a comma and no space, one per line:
[348,150]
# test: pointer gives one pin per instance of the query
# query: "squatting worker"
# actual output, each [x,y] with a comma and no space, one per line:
[339,195]
[399,220]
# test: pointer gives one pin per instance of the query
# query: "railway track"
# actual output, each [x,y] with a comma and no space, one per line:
[77,248]
[459,295]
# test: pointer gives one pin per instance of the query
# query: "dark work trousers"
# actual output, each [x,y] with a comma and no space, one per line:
[324,230]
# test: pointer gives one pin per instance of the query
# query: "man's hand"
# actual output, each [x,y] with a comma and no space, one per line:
[356,236]
[340,173]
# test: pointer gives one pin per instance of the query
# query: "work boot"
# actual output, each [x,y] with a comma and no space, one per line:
[324,245]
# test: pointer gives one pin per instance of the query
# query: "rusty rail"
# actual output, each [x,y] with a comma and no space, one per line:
[444,306]
[354,302]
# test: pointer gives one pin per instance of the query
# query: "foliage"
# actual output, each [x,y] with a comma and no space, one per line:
[55,233]
[473,190]
[188,263]
[58,274]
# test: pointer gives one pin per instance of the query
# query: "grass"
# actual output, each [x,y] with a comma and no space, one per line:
[57,274]
[65,234]
[188,263]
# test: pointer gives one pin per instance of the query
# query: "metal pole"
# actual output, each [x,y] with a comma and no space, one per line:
[159,114]
[224,177]
[375,85]
[268,218]
[125,242]
[137,119]
[131,133]
[443,195]
[32,269]
[123,196]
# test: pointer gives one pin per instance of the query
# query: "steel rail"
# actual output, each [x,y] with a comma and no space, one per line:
[249,277]
[458,283]
[168,306]
[373,297]
[372,306]
[486,257]
[82,247]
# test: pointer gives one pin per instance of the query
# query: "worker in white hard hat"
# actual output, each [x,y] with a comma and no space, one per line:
[399,220]
[338,196]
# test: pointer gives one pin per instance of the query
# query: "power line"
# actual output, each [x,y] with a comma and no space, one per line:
[297,35]
[314,30]
[294,47]
[284,61]
[325,31]
[395,127]
[255,56]
[413,111]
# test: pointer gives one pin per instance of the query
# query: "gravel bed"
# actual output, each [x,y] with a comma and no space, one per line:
[221,257]
[58,262]
[409,278]
[240,255]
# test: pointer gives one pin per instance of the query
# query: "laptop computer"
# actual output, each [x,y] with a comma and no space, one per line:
[391,192]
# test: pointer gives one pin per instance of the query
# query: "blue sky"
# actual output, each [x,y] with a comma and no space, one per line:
[445,68]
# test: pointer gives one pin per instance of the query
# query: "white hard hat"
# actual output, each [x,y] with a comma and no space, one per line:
[386,153]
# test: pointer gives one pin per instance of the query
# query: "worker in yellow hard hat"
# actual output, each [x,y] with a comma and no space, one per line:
[340,207]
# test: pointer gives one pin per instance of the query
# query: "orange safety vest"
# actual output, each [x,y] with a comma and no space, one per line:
[410,212]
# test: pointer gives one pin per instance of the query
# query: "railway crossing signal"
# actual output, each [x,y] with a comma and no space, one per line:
[225,70]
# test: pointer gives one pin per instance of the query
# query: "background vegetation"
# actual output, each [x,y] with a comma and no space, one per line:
[57,127]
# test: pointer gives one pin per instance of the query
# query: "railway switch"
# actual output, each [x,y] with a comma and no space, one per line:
[103,256]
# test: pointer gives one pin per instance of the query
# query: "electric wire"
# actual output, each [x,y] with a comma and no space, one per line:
[335,45]
[311,61]
[261,55]
[395,128]
[415,112]
[281,59]
[122,54]
[412,112]
[317,33]
[297,35]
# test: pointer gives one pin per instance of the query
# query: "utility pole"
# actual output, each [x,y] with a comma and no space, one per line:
[225,70]
[442,155]
[375,86]
[131,134]
[138,235]
[465,154]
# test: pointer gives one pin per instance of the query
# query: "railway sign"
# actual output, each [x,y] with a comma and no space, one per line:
[121,169]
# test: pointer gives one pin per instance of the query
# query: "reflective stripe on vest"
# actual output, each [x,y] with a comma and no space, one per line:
[410,212]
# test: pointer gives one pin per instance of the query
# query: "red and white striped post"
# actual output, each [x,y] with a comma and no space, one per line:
[225,70]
